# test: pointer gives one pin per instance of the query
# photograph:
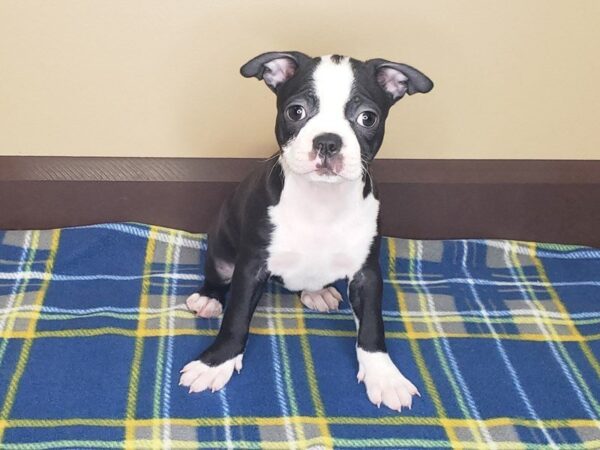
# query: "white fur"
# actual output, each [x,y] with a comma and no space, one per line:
[204,306]
[333,86]
[200,377]
[384,382]
[322,232]
[323,300]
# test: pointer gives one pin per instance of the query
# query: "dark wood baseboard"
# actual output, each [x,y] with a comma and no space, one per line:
[551,201]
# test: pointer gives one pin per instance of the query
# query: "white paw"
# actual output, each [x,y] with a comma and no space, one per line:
[384,382]
[204,306]
[200,377]
[323,300]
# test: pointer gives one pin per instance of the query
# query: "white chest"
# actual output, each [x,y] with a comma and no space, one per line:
[321,232]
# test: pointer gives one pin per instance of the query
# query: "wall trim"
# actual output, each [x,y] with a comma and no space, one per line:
[542,200]
[475,171]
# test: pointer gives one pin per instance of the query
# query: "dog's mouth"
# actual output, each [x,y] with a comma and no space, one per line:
[320,168]
[329,166]
[325,171]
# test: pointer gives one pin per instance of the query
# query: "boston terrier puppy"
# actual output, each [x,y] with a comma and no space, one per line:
[309,215]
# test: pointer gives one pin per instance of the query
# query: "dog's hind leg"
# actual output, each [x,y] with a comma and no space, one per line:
[323,300]
[209,300]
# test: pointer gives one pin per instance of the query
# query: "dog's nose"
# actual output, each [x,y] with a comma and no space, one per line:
[327,144]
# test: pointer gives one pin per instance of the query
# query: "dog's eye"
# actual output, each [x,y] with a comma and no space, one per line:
[367,119]
[296,113]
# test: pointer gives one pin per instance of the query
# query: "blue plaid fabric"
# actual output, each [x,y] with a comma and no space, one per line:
[502,339]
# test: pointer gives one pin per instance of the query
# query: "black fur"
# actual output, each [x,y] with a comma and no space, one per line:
[365,292]
[240,238]
[336,58]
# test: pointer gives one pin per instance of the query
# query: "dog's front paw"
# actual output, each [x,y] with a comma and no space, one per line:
[200,377]
[384,382]
[322,300]
[204,306]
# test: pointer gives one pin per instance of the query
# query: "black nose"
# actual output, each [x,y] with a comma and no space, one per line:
[327,144]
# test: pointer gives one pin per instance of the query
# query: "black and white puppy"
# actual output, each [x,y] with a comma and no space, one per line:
[309,216]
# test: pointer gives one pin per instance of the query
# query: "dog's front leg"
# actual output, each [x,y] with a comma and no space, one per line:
[384,382]
[214,367]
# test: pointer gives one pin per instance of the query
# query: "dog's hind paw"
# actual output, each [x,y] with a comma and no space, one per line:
[323,300]
[204,306]
[200,377]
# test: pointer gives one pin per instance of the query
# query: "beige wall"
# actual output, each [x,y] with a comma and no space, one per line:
[514,78]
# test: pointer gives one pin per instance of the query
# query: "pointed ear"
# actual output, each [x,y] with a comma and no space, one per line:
[274,67]
[398,79]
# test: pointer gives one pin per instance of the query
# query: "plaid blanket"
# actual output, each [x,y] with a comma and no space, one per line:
[500,337]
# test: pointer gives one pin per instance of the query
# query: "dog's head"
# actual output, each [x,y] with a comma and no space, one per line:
[331,110]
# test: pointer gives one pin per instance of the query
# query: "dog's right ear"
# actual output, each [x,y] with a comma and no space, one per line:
[274,67]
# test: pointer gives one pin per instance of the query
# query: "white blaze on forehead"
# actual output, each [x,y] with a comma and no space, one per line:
[333,85]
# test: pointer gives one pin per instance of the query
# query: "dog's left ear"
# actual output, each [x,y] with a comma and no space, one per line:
[274,67]
[398,79]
